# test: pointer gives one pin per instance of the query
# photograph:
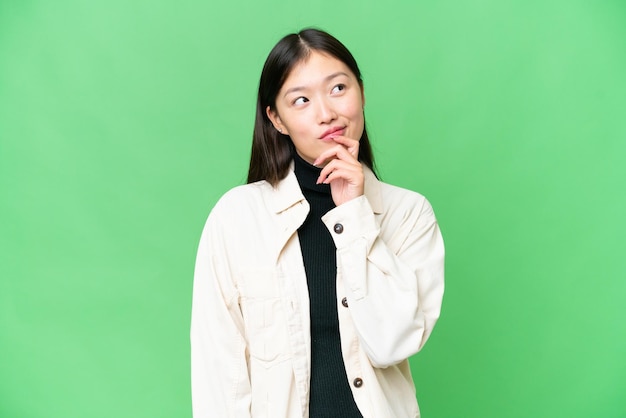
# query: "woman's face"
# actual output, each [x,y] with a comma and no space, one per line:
[320,99]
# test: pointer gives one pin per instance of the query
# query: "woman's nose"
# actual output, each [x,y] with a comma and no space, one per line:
[325,111]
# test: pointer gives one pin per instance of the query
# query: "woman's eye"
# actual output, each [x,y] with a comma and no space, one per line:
[338,88]
[300,100]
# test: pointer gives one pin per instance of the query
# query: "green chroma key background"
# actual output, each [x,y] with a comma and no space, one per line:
[122,122]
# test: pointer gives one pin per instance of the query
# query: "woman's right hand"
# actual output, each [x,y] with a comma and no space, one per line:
[343,171]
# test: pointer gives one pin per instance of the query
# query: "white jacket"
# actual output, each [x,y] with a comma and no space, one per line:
[250,338]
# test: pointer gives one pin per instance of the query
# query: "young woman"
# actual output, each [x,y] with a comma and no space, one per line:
[315,281]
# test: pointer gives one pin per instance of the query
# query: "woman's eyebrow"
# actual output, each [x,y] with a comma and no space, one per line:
[326,80]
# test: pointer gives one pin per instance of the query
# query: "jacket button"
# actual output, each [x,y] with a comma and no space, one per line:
[338,228]
[358,382]
[344,302]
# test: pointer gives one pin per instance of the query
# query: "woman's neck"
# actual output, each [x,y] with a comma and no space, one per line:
[307,175]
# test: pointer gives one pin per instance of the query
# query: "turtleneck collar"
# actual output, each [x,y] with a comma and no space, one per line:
[307,174]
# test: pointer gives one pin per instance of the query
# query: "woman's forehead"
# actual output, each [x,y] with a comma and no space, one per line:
[316,67]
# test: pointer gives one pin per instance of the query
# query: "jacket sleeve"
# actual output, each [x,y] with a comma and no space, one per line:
[394,292]
[220,386]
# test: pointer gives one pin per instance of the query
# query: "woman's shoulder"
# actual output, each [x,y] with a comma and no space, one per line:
[243,192]
[396,198]
[242,198]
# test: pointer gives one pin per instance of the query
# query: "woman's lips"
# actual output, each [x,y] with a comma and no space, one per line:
[331,133]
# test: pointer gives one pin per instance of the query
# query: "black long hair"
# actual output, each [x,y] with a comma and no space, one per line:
[272,151]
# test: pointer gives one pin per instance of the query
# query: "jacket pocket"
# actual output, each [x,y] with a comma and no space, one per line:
[265,318]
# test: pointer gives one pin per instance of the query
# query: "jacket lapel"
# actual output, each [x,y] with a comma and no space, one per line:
[290,208]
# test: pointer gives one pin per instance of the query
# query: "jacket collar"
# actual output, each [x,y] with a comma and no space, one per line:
[291,208]
[287,193]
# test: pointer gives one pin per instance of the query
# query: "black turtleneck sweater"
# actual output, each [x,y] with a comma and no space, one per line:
[330,394]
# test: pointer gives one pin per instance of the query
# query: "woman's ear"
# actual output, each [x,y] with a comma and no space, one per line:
[275,119]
